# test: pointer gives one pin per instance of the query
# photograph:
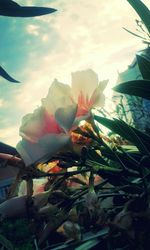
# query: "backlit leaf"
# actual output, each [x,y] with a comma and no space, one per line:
[142,11]
[139,88]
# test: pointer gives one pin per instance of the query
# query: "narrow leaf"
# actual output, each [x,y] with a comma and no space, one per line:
[139,88]
[6,76]
[88,245]
[12,9]
[146,42]
[97,166]
[144,66]
[32,11]
[142,11]
[125,131]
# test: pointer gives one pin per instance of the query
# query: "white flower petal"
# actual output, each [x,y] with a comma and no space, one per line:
[46,147]
[59,96]
[103,84]
[52,143]
[97,98]
[30,152]
[85,82]
[32,125]
[66,116]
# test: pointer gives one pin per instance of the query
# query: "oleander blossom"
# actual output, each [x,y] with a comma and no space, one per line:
[45,131]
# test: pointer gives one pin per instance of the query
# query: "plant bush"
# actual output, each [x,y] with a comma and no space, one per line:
[96,194]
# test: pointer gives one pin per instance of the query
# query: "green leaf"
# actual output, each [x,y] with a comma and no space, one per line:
[144,66]
[79,131]
[6,76]
[103,232]
[125,131]
[142,11]
[5,243]
[93,155]
[88,245]
[124,157]
[97,166]
[11,8]
[87,237]
[143,137]
[146,42]
[131,148]
[139,88]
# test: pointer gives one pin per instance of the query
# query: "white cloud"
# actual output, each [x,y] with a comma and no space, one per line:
[10,135]
[1,103]
[89,35]
[82,34]
[45,38]
[33,29]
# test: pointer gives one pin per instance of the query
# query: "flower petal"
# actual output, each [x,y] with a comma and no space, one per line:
[103,84]
[52,143]
[51,125]
[84,82]
[97,98]
[32,125]
[59,96]
[66,116]
[29,152]
[42,151]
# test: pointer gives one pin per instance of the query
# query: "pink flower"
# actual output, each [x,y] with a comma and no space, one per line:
[45,131]
[87,91]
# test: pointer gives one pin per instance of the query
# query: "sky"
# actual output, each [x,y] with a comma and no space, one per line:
[82,34]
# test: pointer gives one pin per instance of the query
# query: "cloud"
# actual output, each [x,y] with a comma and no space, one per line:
[33,29]
[3,103]
[45,38]
[10,135]
[78,42]
[82,34]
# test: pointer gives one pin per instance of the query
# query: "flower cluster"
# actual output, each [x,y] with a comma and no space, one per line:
[48,129]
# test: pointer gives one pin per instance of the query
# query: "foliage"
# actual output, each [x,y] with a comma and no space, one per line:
[96,194]
[5,243]
[18,233]
[136,87]
[142,11]
[143,26]
[144,66]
